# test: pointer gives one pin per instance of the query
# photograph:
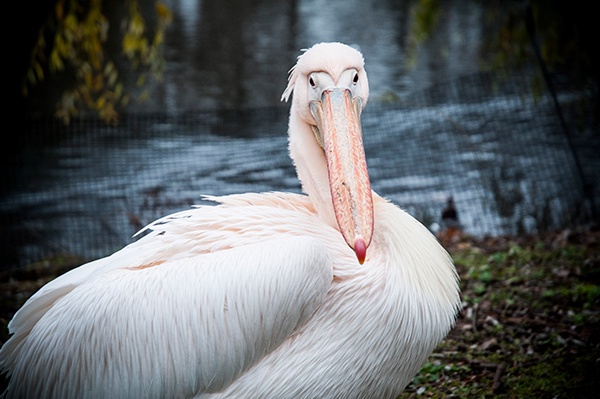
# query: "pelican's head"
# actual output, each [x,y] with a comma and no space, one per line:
[330,90]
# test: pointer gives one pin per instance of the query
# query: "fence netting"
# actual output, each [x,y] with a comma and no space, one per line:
[500,152]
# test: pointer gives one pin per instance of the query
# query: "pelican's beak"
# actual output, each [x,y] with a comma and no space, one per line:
[338,119]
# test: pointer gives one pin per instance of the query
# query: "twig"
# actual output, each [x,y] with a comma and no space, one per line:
[498,376]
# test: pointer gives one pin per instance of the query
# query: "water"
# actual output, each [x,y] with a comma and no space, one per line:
[237,53]
[501,156]
[89,193]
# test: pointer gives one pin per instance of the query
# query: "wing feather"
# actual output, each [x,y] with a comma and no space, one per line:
[243,224]
[204,229]
[175,330]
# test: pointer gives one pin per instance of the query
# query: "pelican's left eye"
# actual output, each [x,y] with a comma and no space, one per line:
[355,79]
[311,81]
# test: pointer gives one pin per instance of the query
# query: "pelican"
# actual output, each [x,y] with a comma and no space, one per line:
[334,293]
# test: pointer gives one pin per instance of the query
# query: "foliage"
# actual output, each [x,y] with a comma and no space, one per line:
[74,40]
[425,15]
[565,33]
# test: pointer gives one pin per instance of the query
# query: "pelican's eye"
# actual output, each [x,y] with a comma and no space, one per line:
[311,81]
[355,79]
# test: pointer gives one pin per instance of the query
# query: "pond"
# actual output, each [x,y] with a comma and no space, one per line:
[215,126]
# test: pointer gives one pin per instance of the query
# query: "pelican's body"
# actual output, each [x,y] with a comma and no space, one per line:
[333,294]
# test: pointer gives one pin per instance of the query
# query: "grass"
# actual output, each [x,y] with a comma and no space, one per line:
[529,328]
[530,325]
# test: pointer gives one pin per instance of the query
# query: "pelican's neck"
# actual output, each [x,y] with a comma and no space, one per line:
[311,167]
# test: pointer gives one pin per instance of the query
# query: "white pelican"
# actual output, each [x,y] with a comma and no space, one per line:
[334,294]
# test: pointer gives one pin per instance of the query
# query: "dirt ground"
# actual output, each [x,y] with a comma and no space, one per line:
[530,324]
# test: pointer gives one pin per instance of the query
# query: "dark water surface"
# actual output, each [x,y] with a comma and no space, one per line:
[231,54]
[451,131]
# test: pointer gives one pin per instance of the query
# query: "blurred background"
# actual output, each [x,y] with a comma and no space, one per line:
[129,110]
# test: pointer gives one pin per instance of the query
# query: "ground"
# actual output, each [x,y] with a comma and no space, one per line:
[530,324]
[529,327]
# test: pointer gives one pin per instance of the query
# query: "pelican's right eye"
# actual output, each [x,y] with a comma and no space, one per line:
[311,81]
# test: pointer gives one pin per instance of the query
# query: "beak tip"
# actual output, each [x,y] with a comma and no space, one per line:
[360,248]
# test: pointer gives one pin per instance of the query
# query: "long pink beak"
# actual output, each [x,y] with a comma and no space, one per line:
[338,117]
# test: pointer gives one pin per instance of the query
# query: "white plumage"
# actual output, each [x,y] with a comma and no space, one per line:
[333,294]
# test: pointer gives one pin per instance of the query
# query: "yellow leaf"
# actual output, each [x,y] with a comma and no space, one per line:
[31,76]
[141,80]
[56,63]
[59,11]
[119,90]
[70,22]
[112,78]
[163,12]
[100,103]
[39,71]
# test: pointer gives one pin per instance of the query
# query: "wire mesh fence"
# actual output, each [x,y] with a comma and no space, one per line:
[500,153]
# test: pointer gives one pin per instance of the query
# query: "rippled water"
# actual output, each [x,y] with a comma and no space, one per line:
[503,158]
[90,193]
